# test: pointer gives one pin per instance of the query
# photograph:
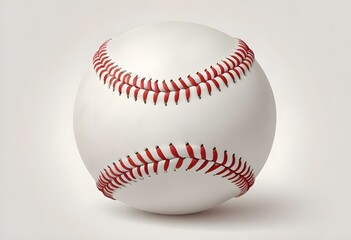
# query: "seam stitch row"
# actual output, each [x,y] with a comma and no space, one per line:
[139,165]
[121,80]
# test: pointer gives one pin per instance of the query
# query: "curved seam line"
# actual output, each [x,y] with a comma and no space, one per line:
[109,181]
[127,82]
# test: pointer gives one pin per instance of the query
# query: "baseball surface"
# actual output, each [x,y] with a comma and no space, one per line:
[174,118]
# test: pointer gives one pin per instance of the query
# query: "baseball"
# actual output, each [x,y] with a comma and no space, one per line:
[174,118]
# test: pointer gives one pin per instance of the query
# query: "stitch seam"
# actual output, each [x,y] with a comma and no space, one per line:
[121,80]
[140,164]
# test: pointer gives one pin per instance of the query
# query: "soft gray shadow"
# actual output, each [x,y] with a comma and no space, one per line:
[248,211]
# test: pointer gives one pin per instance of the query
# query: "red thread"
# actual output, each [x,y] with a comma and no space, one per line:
[142,82]
[135,80]
[179,163]
[221,67]
[131,162]
[224,80]
[141,159]
[216,84]
[192,80]
[111,179]
[202,151]
[136,94]
[174,150]
[120,88]
[225,158]
[123,165]
[118,170]
[155,96]
[146,169]
[157,89]
[222,171]
[233,161]
[128,90]
[166,165]
[166,97]
[155,166]
[214,167]
[187,94]
[209,88]
[202,78]
[183,83]
[165,86]
[231,76]
[139,171]
[132,174]
[192,164]
[236,64]
[149,155]
[176,97]
[190,150]
[145,95]
[214,154]
[198,91]
[175,86]
[202,166]
[148,85]
[160,153]
[214,71]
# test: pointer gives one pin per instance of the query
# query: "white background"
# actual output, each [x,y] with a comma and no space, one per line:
[303,191]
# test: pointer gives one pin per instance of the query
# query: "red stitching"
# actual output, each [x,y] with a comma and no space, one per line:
[227,70]
[137,166]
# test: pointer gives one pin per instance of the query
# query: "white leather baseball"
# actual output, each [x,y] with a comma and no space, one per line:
[174,118]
